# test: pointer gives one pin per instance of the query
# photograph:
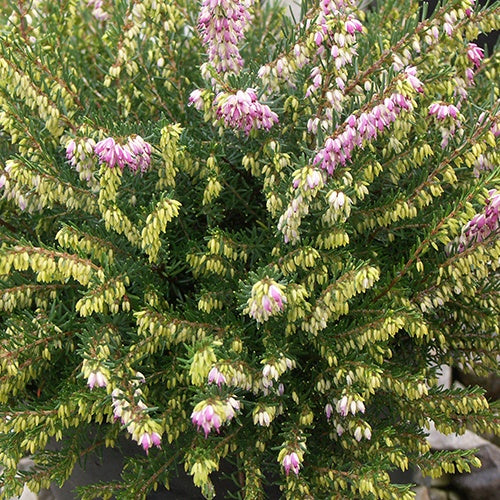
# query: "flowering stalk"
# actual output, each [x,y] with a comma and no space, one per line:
[223,24]
[482,225]
[357,129]
[133,414]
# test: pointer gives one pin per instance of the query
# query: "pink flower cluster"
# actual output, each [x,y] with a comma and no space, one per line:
[475,54]
[134,416]
[97,378]
[149,439]
[442,110]
[340,42]
[291,462]
[223,24]
[97,11]
[347,404]
[243,111]
[334,6]
[216,377]
[266,300]
[357,129]
[80,154]
[208,416]
[483,224]
[134,154]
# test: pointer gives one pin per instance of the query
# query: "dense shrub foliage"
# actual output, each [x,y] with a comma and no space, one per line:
[227,234]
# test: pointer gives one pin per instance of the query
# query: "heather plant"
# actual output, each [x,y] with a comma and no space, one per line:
[229,235]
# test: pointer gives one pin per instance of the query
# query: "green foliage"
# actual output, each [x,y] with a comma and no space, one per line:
[309,292]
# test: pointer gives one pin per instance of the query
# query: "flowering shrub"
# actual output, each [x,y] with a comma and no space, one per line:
[227,235]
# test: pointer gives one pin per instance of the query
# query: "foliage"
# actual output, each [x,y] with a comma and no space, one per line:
[231,236]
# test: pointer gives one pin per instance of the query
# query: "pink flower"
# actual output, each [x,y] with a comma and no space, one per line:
[342,406]
[243,111]
[411,76]
[135,154]
[275,293]
[442,110]
[291,462]
[353,25]
[97,10]
[475,54]
[495,129]
[215,376]
[106,151]
[196,99]
[97,378]
[482,224]
[266,304]
[150,439]
[70,150]
[328,411]
[21,201]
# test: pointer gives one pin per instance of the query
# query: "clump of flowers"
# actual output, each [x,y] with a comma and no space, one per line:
[211,414]
[267,299]
[131,410]
[291,458]
[134,154]
[356,130]
[313,233]
[223,24]
[243,111]
[484,224]
[97,10]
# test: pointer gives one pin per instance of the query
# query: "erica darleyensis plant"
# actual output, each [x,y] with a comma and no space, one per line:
[230,237]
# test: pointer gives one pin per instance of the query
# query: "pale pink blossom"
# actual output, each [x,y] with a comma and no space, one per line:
[70,150]
[222,24]
[243,111]
[442,111]
[291,462]
[277,296]
[147,440]
[352,25]
[475,54]
[216,377]
[97,11]
[97,379]
[482,224]
[328,411]
[411,77]
[342,406]
[209,416]
[134,154]
[196,99]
